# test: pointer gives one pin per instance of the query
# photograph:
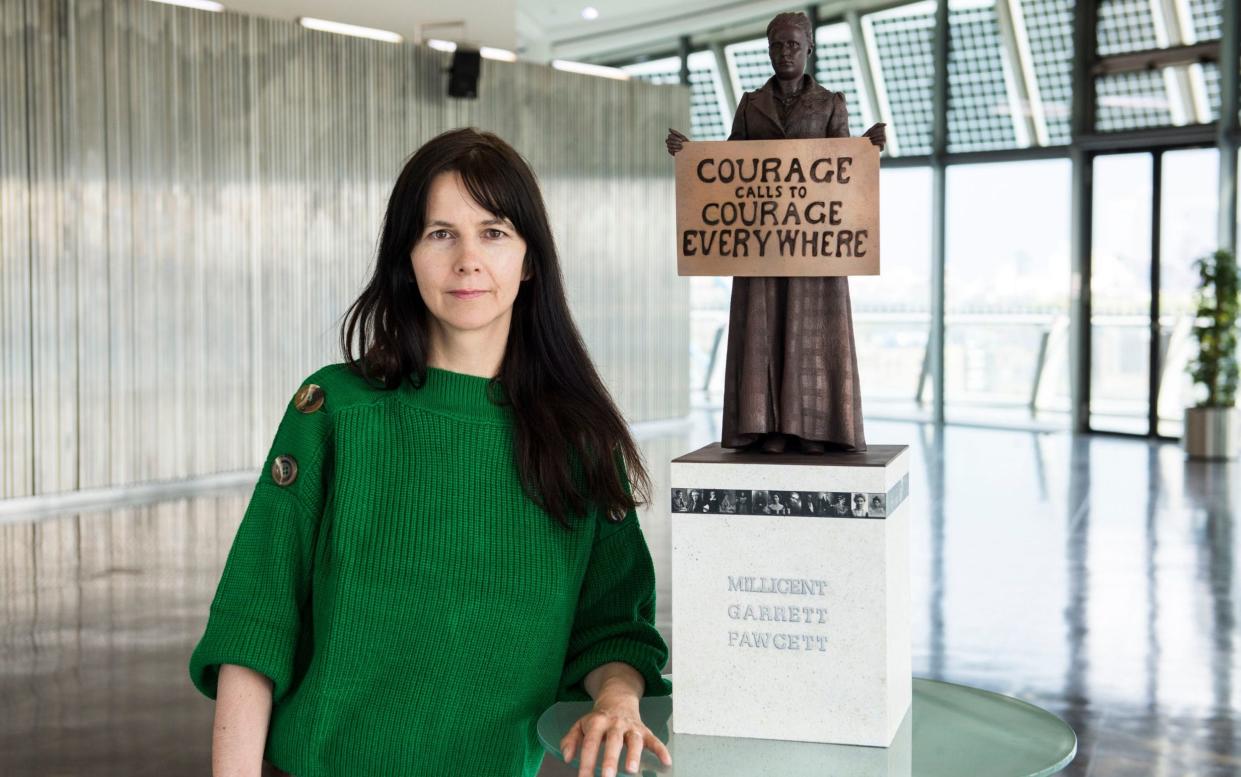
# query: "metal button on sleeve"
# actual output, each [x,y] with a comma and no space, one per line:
[309,398]
[284,470]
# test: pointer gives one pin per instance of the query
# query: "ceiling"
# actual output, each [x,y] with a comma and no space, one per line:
[539,30]
[482,22]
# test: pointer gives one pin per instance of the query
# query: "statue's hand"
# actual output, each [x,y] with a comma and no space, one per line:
[876,135]
[675,141]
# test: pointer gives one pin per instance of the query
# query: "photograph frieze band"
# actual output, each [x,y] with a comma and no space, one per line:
[826,504]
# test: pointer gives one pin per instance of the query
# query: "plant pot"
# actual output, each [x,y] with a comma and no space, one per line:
[1213,432]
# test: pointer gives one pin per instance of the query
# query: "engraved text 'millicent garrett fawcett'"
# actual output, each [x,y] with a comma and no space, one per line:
[777,613]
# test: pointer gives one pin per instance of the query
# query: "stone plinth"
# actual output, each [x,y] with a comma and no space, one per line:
[790,595]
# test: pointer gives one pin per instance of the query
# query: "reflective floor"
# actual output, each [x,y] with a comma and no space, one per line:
[1091,576]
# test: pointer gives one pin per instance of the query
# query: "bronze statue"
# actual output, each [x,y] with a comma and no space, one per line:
[791,378]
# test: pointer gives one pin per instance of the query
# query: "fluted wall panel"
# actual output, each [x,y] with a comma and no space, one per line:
[190,201]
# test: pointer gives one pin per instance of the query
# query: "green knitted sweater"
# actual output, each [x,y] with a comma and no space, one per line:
[414,609]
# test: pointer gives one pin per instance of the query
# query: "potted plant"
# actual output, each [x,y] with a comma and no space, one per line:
[1213,427]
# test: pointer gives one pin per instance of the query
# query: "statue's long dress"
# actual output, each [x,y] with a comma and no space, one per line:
[791,364]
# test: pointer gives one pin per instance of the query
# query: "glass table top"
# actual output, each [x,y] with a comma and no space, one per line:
[950,731]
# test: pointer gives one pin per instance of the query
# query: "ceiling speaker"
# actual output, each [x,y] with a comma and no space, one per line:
[463,75]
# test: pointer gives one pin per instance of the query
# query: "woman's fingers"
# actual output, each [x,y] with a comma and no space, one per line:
[633,742]
[569,743]
[594,732]
[656,746]
[611,750]
[590,749]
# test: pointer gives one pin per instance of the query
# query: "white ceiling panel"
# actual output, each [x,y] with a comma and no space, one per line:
[483,22]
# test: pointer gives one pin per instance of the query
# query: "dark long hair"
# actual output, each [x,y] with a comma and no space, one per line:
[569,439]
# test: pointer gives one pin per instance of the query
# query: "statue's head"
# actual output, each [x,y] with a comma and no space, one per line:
[789,38]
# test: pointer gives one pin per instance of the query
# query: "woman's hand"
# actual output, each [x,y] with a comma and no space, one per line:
[614,720]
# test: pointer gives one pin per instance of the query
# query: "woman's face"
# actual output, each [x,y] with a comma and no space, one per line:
[468,262]
[787,48]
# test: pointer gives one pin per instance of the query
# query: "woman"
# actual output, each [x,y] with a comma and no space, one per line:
[790,374]
[776,507]
[679,504]
[795,506]
[369,610]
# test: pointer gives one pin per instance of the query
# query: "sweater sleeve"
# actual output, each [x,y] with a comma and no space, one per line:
[615,617]
[259,606]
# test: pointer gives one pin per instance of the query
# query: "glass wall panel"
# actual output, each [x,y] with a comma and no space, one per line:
[1007,293]
[1125,25]
[1120,293]
[749,65]
[1188,229]
[900,43]
[892,311]
[836,68]
[1206,17]
[981,102]
[1168,96]
[1048,27]
[1132,101]
[710,117]
[708,319]
[1205,77]
[666,70]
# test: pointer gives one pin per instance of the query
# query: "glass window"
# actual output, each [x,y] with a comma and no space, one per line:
[1206,78]
[981,108]
[892,311]
[1206,18]
[656,71]
[710,117]
[709,298]
[749,66]
[1172,95]
[710,114]
[1131,101]
[1125,25]
[1007,274]
[1188,229]
[836,68]
[1048,28]
[1120,293]
[901,40]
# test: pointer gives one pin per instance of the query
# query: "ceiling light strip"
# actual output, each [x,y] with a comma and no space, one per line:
[587,69]
[324,25]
